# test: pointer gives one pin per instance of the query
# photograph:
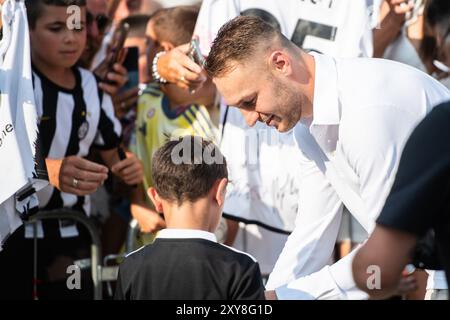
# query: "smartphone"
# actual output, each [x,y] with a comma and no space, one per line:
[131,63]
[112,57]
[195,54]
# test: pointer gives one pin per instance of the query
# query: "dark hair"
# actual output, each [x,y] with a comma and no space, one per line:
[437,12]
[137,23]
[176,24]
[238,40]
[35,7]
[192,178]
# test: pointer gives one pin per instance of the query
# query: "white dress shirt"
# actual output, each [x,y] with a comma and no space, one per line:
[363,112]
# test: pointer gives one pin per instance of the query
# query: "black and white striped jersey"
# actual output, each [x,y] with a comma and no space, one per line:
[70,122]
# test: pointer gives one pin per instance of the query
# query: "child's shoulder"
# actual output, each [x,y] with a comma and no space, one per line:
[86,76]
[240,255]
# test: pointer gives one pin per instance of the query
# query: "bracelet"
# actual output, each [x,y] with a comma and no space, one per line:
[156,76]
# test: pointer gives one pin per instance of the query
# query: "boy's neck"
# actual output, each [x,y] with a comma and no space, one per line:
[61,76]
[199,215]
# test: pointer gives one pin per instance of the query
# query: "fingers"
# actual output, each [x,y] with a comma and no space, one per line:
[129,170]
[118,76]
[185,48]
[80,176]
[124,101]
[83,188]
[402,7]
[407,284]
[122,55]
[86,165]
[110,89]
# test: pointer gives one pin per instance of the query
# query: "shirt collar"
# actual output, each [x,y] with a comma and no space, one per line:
[186,234]
[326,98]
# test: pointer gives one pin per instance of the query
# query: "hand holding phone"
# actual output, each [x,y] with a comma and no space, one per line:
[195,54]
[114,54]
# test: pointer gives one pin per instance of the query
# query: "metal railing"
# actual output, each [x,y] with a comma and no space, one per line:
[96,253]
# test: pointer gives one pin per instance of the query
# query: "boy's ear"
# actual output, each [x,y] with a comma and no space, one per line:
[167,45]
[155,199]
[220,190]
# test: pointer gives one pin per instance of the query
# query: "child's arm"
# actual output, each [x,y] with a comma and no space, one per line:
[130,169]
[148,219]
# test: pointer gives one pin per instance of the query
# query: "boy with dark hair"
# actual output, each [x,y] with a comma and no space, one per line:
[165,110]
[185,261]
[73,116]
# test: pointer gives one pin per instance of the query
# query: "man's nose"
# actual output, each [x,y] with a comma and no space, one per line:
[251,117]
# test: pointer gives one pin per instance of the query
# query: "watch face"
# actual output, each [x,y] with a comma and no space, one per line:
[83,130]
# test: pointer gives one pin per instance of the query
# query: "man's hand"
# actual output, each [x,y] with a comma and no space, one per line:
[130,170]
[119,76]
[148,220]
[76,175]
[124,101]
[271,295]
[176,67]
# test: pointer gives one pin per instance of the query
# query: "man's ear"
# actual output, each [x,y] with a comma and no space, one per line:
[153,194]
[220,191]
[280,62]
[167,45]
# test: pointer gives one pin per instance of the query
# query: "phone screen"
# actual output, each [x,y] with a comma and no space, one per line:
[113,55]
[131,63]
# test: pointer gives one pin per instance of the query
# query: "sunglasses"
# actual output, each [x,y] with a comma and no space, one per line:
[101,20]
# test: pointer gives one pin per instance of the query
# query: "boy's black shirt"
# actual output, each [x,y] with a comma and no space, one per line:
[189,269]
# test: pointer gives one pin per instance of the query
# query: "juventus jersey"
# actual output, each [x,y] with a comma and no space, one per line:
[70,122]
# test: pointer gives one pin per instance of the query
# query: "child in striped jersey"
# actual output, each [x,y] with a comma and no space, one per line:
[166,111]
[73,117]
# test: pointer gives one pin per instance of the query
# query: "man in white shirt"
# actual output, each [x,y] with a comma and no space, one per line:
[351,118]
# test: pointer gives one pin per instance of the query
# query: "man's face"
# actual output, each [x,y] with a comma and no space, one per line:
[97,11]
[261,96]
[52,43]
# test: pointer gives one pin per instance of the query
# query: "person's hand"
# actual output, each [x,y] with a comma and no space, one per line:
[76,175]
[176,67]
[130,170]
[119,76]
[270,295]
[124,101]
[398,10]
[407,283]
[148,220]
